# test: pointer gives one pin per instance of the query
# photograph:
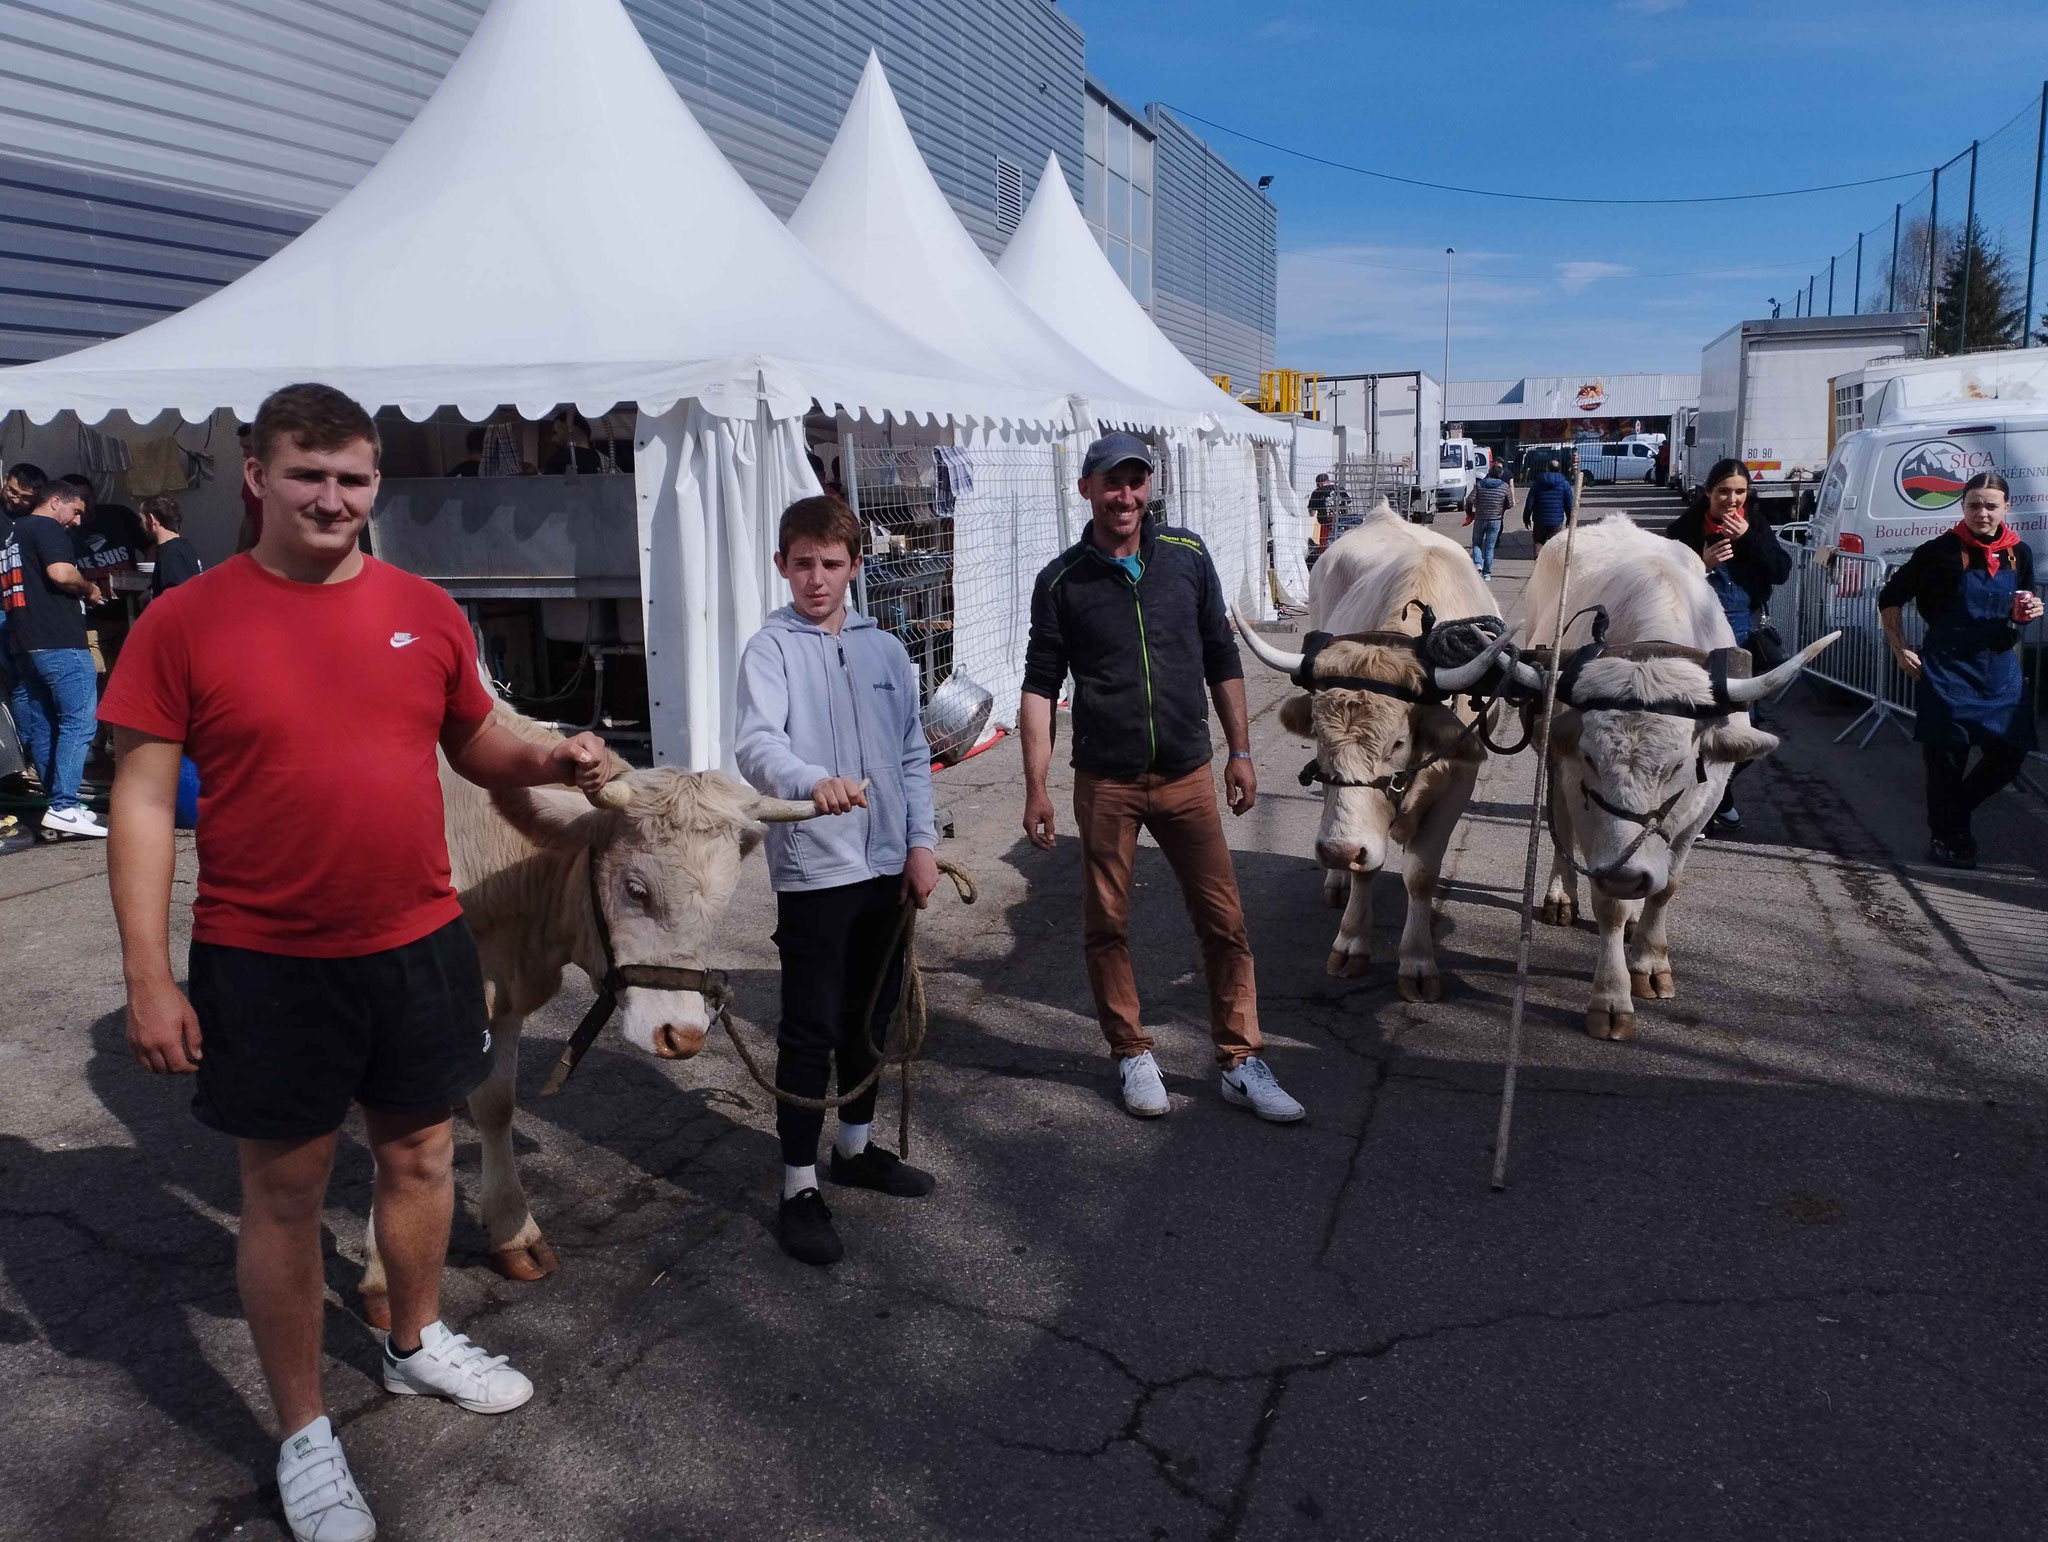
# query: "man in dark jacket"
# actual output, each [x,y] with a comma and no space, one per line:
[1136,613]
[1548,505]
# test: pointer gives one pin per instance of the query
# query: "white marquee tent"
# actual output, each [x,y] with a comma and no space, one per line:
[1234,456]
[556,227]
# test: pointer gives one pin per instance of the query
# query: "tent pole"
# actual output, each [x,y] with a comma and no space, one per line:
[849,479]
[1059,494]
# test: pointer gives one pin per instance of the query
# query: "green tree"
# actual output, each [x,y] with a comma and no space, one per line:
[1994,319]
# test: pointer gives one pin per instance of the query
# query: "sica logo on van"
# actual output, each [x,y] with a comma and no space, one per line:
[1932,473]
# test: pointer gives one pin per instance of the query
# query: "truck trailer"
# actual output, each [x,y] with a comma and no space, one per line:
[1766,398]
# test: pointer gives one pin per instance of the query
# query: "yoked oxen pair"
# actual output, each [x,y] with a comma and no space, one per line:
[1396,757]
[1651,721]
[660,850]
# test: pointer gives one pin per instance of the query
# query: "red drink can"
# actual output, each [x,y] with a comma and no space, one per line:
[2019,606]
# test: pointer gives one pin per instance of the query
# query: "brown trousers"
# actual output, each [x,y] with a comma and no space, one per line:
[1182,815]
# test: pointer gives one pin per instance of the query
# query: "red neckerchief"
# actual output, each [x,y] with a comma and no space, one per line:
[2006,539]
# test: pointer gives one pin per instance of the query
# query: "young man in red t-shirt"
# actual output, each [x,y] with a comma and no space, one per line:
[330,963]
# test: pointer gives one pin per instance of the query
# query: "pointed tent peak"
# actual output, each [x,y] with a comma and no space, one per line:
[461,269]
[878,221]
[1054,262]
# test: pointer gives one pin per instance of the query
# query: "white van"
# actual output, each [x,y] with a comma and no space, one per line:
[1458,472]
[1617,460]
[1890,487]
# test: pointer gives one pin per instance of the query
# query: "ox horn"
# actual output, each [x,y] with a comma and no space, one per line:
[1289,664]
[788,811]
[1742,692]
[1526,675]
[1462,677]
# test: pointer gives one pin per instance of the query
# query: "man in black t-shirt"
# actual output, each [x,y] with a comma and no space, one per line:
[162,520]
[55,696]
[18,491]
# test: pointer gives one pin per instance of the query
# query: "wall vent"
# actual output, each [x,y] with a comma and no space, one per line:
[1009,194]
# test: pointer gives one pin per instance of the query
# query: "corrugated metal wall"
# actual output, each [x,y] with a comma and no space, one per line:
[156,148]
[1214,256]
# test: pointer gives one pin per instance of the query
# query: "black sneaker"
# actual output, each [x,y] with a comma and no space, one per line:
[804,1228]
[1950,854]
[1729,817]
[883,1171]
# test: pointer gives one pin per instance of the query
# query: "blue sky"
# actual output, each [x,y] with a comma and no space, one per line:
[1608,98]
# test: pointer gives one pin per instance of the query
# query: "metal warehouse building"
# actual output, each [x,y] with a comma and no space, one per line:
[151,152]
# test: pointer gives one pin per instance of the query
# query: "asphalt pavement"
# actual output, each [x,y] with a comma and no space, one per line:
[1772,1270]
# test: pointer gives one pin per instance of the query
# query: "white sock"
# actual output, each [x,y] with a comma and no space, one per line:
[852,1140]
[796,1179]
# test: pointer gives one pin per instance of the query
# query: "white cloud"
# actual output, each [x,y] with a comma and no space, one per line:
[1573,277]
[1341,303]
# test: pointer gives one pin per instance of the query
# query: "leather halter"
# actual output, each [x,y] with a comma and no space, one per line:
[617,978]
[1719,663]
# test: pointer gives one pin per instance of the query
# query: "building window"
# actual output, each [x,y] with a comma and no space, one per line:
[1117,192]
[1009,193]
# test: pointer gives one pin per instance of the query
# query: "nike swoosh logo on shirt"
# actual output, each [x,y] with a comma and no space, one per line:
[402,639]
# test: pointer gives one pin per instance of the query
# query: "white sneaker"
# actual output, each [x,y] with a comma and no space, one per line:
[1251,1085]
[1144,1089]
[448,1365]
[73,821]
[321,1500]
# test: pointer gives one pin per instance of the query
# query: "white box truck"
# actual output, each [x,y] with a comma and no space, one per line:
[1766,398]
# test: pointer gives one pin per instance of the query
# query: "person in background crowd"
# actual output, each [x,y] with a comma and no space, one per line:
[572,436]
[1974,587]
[163,521]
[251,530]
[1547,505]
[1492,497]
[472,463]
[1135,612]
[1326,505]
[828,711]
[18,491]
[1744,563]
[327,968]
[55,695]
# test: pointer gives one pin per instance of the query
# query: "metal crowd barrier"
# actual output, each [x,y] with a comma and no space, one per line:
[1833,590]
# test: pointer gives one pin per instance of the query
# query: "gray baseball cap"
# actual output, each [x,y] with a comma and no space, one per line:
[1113,450]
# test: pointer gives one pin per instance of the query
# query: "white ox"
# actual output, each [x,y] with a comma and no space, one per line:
[1369,582]
[667,847]
[1654,591]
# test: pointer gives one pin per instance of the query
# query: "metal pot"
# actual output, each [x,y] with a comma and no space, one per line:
[955,717]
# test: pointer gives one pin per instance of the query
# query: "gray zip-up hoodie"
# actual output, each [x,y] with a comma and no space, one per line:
[813,705]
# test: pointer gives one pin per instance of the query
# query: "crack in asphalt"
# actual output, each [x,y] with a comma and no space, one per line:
[1278,1379]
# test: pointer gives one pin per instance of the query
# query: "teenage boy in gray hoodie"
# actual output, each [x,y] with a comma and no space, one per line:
[828,711]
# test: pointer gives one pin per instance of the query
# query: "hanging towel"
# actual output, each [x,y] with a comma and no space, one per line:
[501,452]
[955,473]
[156,466]
[101,457]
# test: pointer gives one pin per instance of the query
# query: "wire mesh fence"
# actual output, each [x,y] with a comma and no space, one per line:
[1965,247]
[955,538]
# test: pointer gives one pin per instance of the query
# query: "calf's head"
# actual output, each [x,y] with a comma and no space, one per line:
[666,847]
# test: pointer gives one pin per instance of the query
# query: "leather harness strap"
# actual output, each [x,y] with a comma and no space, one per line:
[709,983]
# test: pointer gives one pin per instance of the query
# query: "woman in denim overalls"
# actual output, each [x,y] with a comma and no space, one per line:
[1974,587]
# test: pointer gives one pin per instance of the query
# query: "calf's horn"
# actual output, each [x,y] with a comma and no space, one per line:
[615,794]
[1526,675]
[789,811]
[1462,677]
[1742,692]
[1289,664]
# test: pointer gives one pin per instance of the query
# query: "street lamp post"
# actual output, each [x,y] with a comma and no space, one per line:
[1444,422]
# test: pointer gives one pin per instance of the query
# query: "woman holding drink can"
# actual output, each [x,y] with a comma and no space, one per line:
[1974,586]
[1744,563]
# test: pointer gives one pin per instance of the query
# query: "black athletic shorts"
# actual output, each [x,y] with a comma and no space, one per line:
[286,1044]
